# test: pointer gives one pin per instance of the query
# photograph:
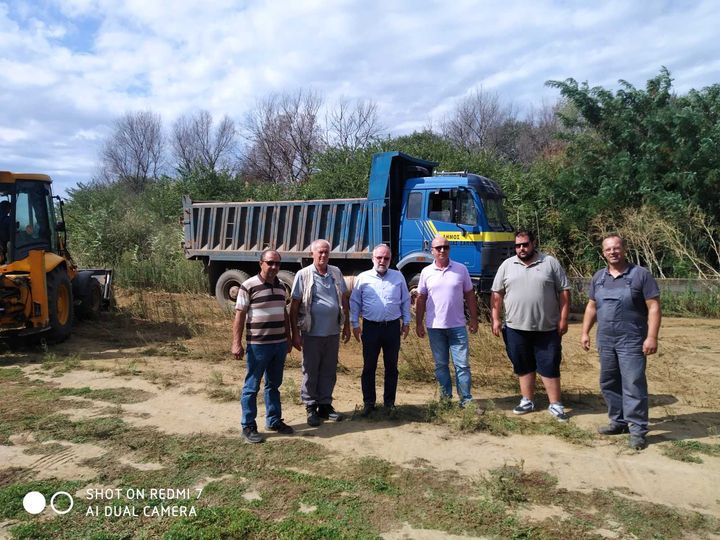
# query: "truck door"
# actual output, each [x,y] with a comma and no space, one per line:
[453,214]
[412,236]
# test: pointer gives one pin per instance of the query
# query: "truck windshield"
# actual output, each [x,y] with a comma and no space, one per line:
[496,214]
[442,207]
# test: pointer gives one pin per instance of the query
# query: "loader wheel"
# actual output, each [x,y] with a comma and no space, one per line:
[90,300]
[88,294]
[227,287]
[60,305]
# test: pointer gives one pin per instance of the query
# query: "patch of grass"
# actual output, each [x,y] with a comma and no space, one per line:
[472,418]
[113,395]
[163,379]
[127,369]
[58,364]
[687,450]
[512,484]
[291,392]
[216,388]
[10,374]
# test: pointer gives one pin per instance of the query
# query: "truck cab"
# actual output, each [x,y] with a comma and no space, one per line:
[465,208]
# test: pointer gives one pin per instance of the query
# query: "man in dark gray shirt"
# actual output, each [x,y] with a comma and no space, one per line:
[625,302]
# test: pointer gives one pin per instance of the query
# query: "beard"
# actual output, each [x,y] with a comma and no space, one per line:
[528,255]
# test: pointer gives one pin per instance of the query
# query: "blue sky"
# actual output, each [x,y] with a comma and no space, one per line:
[70,67]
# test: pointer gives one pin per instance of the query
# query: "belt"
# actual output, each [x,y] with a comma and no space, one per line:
[380,323]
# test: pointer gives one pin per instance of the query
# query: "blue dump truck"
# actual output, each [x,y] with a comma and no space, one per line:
[408,204]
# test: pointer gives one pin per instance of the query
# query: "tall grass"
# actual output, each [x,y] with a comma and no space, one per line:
[692,303]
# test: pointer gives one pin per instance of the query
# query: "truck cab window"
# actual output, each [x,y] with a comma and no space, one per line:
[440,206]
[467,213]
[496,214]
[414,206]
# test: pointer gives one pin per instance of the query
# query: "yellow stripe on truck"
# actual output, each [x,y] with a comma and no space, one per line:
[458,236]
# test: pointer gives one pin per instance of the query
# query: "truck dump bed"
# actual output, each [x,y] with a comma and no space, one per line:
[242,230]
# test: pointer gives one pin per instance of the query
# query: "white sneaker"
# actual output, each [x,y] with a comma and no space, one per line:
[525,406]
[558,411]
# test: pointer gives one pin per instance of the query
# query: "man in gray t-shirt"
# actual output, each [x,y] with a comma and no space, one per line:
[319,311]
[535,292]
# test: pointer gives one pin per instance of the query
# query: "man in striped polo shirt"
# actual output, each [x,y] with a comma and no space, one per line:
[260,312]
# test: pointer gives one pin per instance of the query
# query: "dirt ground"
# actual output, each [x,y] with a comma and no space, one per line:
[179,359]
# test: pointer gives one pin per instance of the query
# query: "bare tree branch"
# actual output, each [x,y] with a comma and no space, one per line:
[195,143]
[283,135]
[134,151]
[352,126]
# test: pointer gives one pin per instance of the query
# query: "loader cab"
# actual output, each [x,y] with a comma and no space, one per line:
[27,216]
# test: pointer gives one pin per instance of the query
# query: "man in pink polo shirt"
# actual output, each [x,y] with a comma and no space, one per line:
[442,288]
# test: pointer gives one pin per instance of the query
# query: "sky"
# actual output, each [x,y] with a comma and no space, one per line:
[72,67]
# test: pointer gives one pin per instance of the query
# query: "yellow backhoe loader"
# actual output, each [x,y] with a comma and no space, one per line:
[41,288]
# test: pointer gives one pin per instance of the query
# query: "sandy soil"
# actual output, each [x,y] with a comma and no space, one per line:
[684,379]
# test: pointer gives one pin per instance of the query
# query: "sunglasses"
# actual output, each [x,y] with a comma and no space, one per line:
[272,263]
[442,248]
[382,258]
[522,245]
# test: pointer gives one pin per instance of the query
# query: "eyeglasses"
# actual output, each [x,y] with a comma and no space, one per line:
[272,263]
[522,245]
[382,258]
[442,248]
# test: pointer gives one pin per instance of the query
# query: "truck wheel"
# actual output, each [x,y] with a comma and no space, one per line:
[60,305]
[413,290]
[227,286]
[89,293]
[287,278]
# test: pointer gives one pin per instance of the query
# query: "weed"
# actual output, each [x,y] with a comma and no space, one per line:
[687,450]
[218,390]
[126,369]
[291,392]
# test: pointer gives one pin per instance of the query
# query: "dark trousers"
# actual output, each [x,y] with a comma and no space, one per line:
[319,369]
[377,337]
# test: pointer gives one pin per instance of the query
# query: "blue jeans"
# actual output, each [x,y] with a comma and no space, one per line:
[268,360]
[443,343]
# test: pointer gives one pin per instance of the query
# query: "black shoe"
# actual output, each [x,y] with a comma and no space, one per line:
[282,428]
[313,419]
[251,435]
[637,442]
[613,429]
[328,412]
[390,410]
[367,410]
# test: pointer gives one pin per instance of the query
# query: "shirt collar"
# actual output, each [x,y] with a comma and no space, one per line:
[436,267]
[541,258]
[623,273]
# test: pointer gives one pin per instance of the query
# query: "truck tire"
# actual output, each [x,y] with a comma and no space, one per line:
[89,293]
[60,305]
[227,286]
[413,283]
[287,278]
